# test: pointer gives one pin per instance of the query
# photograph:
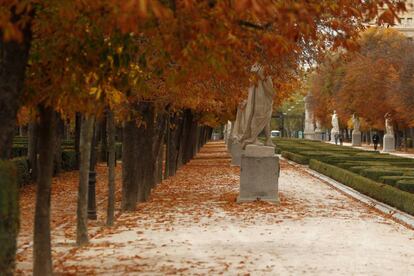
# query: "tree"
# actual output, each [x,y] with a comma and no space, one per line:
[88,54]
[377,73]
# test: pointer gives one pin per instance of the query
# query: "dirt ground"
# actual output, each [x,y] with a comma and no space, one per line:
[192,225]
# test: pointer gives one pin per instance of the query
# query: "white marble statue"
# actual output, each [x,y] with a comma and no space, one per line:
[318,126]
[356,123]
[255,113]
[389,128]
[335,128]
[335,122]
[240,124]
[309,130]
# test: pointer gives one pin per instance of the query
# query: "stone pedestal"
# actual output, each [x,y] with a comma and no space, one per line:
[259,175]
[333,132]
[310,135]
[236,153]
[356,138]
[389,143]
[229,144]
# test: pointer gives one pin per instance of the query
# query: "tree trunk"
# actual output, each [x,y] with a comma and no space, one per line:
[185,138]
[13,61]
[189,150]
[60,128]
[147,158]
[103,140]
[158,146]
[85,156]
[42,257]
[129,184]
[9,214]
[32,150]
[167,147]
[92,214]
[176,128]
[78,123]
[110,132]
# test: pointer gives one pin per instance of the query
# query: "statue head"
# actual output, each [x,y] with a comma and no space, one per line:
[258,69]
[387,115]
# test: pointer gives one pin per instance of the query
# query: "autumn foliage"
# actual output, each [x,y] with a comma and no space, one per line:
[370,82]
[165,68]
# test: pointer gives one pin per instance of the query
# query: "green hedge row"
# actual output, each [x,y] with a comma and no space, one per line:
[68,164]
[295,157]
[23,171]
[20,149]
[382,192]
[369,164]
[9,216]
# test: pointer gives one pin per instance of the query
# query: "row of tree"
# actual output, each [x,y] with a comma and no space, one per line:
[159,67]
[370,82]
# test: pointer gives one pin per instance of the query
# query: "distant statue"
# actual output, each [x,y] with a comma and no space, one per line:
[227,131]
[254,115]
[335,132]
[240,124]
[335,122]
[318,125]
[356,123]
[389,128]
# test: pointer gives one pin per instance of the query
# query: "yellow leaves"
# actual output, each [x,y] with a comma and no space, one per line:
[111,61]
[96,91]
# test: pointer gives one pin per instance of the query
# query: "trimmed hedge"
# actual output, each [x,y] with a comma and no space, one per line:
[22,170]
[409,173]
[9,216]
[19,150]
[376,173]
[406,185]
[392,180]
[69,160]
[118,151]
[392,196]
[295,157]
[23,174]
[349,164]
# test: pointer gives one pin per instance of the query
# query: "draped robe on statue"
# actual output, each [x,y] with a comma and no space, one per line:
[254,115]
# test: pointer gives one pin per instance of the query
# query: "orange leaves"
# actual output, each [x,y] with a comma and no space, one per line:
[376,74]
[256,6]
[14,16]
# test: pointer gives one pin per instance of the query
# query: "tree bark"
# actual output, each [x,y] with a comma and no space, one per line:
[42,257]
[110,132]
[158,146]
[176,128]
[189,150]
[185,138]
[103,140]
[60,128]
[13,61]
[78,123]
[32,150]
[9,214]
[146,159]
[92,214]
[85,156]
[129,184]
[167,147]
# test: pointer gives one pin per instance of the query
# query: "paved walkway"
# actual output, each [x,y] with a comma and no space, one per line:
[192,225]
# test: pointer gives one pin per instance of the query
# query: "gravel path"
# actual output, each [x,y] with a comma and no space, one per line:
[192,225]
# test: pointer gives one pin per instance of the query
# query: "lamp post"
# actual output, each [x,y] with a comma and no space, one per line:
[92,180]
